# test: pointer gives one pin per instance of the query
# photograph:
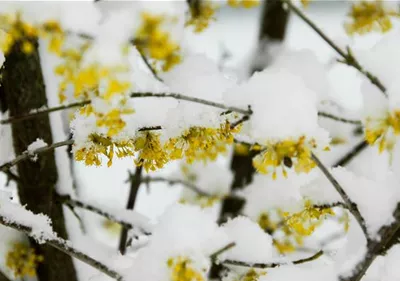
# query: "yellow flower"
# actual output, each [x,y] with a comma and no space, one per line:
[23,260]
[151,153]
[18,33]
[201,15]
[287,153]
[100,145]
[370,16]
[244,3]
[182,270]
[383,130]
[199,143]
[152,41]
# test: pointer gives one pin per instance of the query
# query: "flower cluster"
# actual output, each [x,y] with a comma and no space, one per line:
[243,3]
[251,275]
[285,154]
[370,16]
[152,41]
[201,15]
[183,270]
[195,144]
[293,227]
[383,130]
[16,32]
[23,260]
[199,143]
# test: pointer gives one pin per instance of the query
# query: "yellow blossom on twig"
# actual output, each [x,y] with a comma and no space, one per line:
[23,260]
[367,16]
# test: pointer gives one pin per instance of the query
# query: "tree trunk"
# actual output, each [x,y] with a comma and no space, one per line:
[273,27]
[24,90]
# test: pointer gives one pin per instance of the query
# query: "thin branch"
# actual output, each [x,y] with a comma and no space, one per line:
[348,57]
[41,112]
[352,207]
[186,184]
[192,99]
[152,70]
[375,247]
[240,121]
[6,166]
[65,247]
[272,265]
[339,119]
[136,180]
[67,200]
[351,154]
[214,255]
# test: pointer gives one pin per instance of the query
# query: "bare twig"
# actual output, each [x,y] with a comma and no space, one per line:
[339,119]
[214,255]
[152,70]
[351,154]
[65,247]
[348,57]
[176,96]
[352,207]
[186,184]
[272,265]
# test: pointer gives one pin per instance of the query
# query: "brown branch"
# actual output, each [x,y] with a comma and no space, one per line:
[67,200]
[339,119]
[348,57]
[352,207]
[64,246]
[176,96]
[375,247]
[214,255]
[351,154]
[272,265]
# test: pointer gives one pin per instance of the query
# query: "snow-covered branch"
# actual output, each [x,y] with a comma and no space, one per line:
[102,211]
[176,96]
[348,57]
[352,207]
[6,166]
[387,235]
[272,265]
[63,246]
[338,118]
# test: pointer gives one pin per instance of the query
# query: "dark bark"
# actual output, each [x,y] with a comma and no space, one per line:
[243,171]
[24,90]
[136,180]
[273,25]
[3,277]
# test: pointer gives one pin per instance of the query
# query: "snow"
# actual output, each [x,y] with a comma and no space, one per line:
[375,199]
[283,106]
[316,273]
[38,143]
[183,230]
[258,248]
[40,224]
[197,76]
